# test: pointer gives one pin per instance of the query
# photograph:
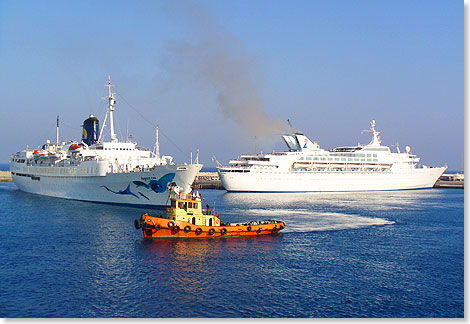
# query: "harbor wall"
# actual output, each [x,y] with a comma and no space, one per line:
[211,180]
[208,180]
[5,176]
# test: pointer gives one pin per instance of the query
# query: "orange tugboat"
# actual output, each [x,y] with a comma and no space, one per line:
[186,218]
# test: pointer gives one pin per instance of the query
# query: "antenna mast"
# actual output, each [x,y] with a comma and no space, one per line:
[57,133]
[156,148]
[111,102]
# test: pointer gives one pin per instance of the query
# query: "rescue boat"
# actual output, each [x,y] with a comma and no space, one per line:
[187,218]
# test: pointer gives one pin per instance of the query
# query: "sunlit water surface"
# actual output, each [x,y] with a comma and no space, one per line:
[375,254]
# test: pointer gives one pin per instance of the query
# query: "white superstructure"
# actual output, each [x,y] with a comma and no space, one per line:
[306,167]
[94,170]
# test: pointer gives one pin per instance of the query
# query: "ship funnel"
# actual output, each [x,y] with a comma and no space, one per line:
[91,131]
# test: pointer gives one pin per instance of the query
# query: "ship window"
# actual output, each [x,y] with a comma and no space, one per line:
[190,205]
[173,203]
[375,155]
[343,159]
[195,205]
[368,155]
[316,159]
[350,159]
[336,159]
[194,221]
[210,221]
[309,158]
[356,159]
[323,159]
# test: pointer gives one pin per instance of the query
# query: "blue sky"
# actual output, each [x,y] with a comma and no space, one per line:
[330,67]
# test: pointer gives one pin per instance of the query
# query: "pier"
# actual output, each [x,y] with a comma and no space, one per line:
[211,180]
[207,180]
[452,181]
[5,176]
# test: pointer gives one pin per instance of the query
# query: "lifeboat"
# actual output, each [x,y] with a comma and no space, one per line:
[187,218]
[75,147]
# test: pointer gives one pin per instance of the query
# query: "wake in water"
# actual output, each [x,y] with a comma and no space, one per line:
[307,221]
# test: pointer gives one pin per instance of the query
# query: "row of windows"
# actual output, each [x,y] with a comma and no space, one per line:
[310,158]
[118,149]
[184,205]
[384,149]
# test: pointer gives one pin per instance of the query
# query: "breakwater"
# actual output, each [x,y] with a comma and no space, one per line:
[5,176]
[207,180]
[211,180]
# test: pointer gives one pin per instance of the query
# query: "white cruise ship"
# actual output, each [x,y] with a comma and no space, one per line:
[305,167]
[107,172]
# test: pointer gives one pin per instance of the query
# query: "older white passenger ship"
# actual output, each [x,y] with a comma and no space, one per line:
[305,167]
[107,172]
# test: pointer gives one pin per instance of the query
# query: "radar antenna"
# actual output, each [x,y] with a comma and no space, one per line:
[398,147]
[111,97]
[376,138]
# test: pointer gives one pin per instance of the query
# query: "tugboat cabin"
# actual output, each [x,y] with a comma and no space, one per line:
[189,209]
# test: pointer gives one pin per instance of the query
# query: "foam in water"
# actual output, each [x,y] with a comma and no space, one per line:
[307,221]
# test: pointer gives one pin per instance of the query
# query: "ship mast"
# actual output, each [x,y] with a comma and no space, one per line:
[156,147]
[111,102]
[57,132]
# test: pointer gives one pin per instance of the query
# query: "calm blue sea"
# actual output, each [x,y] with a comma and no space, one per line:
[376,254]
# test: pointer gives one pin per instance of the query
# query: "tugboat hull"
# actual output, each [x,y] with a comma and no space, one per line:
[155,227]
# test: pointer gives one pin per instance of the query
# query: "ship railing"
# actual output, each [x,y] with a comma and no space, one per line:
[263,222]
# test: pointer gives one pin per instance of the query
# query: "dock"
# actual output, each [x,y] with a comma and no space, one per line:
[208,180]
[211,180]
[5,176]
[451,181]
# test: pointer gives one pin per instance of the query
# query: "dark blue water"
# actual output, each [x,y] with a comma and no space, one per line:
[379,254]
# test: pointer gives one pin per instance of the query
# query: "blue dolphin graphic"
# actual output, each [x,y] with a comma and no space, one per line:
[157,185]
[126,191]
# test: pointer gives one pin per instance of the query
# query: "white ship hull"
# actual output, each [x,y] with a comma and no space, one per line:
[329,181]
[116,172]
[131,188]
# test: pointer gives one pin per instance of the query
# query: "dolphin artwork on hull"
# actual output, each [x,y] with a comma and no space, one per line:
[159,185]
[126,191]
